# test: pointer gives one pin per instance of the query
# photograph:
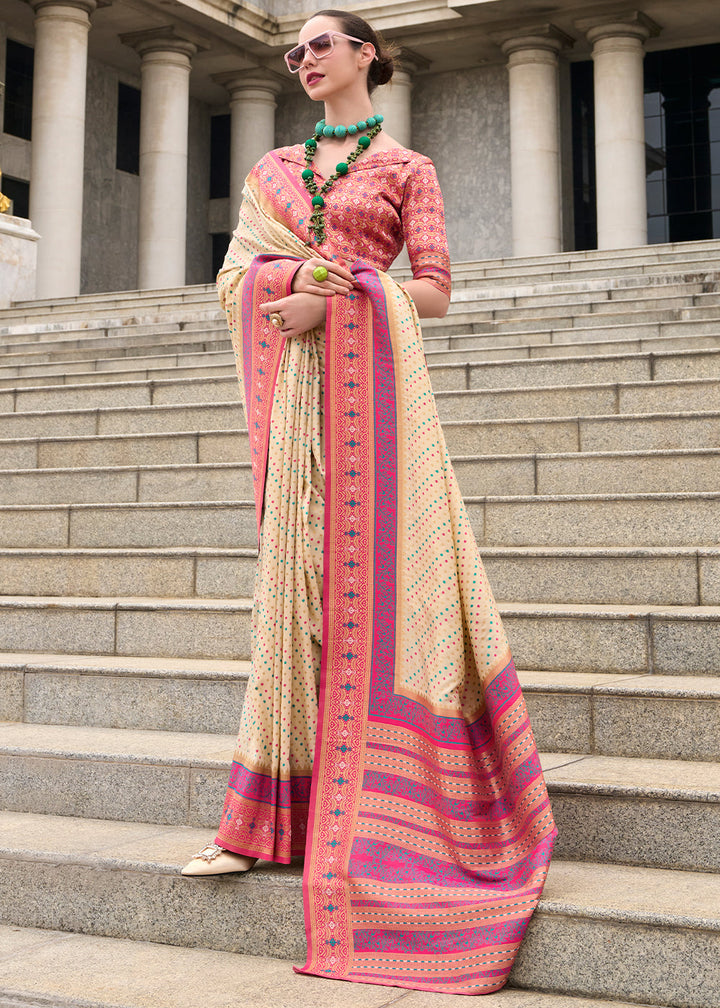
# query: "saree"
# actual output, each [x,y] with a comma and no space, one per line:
[413,786]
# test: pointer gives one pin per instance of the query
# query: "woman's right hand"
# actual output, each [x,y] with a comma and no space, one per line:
[339,279]
[300,312]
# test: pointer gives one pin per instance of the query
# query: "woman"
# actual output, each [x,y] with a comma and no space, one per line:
[383,735]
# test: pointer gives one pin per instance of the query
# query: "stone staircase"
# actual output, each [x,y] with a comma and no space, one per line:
[580,396]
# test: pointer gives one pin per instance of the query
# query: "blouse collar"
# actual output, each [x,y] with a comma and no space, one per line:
[396,155]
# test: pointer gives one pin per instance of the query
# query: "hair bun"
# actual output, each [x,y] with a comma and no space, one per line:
[381,69]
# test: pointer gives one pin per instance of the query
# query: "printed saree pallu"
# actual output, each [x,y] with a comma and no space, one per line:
[429,830]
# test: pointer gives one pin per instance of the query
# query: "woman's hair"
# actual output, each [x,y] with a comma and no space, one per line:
[380,70]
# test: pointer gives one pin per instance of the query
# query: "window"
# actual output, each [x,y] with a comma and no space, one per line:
[18,89]
[220,242]
[219,156]
[682,121]
[19,192]
[127,157]
[682,146]
[583,141]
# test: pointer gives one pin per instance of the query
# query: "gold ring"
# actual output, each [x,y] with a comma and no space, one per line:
[277,320]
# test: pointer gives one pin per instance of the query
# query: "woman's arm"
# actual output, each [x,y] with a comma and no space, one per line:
[430,302]
[423,222]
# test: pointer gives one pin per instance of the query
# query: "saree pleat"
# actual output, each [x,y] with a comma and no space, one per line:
[276,739]
[384,733]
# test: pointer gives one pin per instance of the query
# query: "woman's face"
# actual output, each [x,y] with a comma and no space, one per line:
[341,69]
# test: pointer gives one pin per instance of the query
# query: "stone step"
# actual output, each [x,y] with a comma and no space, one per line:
[145,310]
[699,429]
[183,572]
[659,576]
[571,289]
[543,345]
[622,520]
[655,813]
[142,484]
[500,303]
[603,295]
[581,400]
[645,717]
[167,418]
[159,294]
[580,304]
[70,971]
[37,336]
[588,327]
[562,342]
[596,369]
[576,265]
[101,394]
[660,256]
[209,369]
[604,714]
[664,640]
[690,257]
[158,694]
[590,472]
[680,327]
[110,344]
[670,471]
[633,520]
[122,880]
[441,350]
[112,358]
[493,307]
[503,374]
[627,268]
[89,305]
[630,262]
[174,448]
[187,628]
[184,306]
[108,349]
[660,252]
[576,409]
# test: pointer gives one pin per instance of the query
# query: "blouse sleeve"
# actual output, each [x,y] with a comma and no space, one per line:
[423,221]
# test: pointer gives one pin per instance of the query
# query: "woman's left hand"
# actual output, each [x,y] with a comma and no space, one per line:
[299,312]
[338,278]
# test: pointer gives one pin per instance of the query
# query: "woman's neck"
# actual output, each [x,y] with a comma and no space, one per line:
[347,109]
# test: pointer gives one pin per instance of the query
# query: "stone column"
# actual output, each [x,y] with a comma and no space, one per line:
[164,107]
[394,100]
[618,50]
[252,125]
[58,142]
[535,138]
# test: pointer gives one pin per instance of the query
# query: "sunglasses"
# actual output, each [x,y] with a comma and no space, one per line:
[320,46]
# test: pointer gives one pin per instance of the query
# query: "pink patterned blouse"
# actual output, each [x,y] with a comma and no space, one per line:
[386,198]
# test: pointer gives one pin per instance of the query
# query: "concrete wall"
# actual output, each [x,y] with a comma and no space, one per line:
[295,117]
[110,197]
[461,121]
[198,259]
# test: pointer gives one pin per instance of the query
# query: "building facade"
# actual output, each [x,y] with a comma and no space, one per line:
[129,126]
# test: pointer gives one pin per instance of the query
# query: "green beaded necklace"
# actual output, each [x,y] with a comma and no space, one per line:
[373,125]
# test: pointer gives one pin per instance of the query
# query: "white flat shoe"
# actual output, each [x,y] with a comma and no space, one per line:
[215,860]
